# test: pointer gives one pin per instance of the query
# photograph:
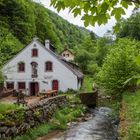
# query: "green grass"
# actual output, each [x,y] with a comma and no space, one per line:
[7,107]
[32,134]
[87,84]
[59,121]
[130,112]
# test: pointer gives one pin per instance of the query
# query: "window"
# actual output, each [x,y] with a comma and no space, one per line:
[21,85]
[10,85]
[34,52]
[48,66]
[21,67]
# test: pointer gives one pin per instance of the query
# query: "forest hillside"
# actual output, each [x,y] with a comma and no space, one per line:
[22,20]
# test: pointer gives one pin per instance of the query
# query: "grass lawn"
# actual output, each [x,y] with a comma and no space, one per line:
[87,84]
[130,116]
[8,106]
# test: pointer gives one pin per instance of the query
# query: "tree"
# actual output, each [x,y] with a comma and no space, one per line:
[44,29]
[129,27]
[103,45]
[9,45]
[86,56]
[19,15]
[95,11]
[92,35]
[119,66]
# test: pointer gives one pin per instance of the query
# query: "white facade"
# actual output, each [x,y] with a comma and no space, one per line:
[65,76]
[67,55]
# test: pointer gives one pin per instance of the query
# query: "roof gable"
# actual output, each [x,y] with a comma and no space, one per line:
[74,71]
[24,48]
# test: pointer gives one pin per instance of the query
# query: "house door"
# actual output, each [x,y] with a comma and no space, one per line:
[55,85]
[34,88]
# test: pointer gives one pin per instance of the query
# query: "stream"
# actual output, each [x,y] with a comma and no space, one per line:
[97,125]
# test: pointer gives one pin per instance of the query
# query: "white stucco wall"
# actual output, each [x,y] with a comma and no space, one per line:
[61,73]
[66,53]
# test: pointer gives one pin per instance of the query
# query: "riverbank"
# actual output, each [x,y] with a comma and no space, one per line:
[98,124]
[130,116]
[70,112]
[95,125]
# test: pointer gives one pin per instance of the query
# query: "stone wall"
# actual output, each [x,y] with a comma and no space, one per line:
[18,122]
[5,93]
[89,98]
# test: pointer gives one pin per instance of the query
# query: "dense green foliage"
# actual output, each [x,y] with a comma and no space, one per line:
[9,45]
[119,66]
[87,84]
[110,63]
[16,32]
[129,114]
[27,19]
[95,11]
[20,21]
[129,27]
[93,53]
[4,107]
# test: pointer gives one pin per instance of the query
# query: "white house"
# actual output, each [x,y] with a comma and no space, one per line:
[67,54]
[37,68]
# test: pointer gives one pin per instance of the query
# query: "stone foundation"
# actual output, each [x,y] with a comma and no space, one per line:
[19,121]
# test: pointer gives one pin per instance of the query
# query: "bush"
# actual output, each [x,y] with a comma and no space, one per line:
[118,66]
[8,107]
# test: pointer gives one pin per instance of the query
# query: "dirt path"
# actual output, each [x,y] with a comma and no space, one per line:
[11,99]
[53,135]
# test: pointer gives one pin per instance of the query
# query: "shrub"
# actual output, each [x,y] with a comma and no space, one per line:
[8,107]
[118,66]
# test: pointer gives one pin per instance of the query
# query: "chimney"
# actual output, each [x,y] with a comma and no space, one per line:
[47,44]
[35,38]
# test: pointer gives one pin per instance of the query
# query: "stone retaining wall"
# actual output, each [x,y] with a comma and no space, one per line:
[5,93]
[18,122]
[89,98]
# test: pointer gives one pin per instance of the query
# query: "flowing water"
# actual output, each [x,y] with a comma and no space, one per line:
[97,126]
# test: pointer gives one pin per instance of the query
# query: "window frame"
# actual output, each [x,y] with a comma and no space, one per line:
[32,52]
[21,86]
[48,70]
[8,82]
[19,65]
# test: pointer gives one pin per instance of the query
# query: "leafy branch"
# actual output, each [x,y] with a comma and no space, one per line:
[95,11]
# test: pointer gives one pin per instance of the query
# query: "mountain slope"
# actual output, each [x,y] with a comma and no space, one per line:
[22,20]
